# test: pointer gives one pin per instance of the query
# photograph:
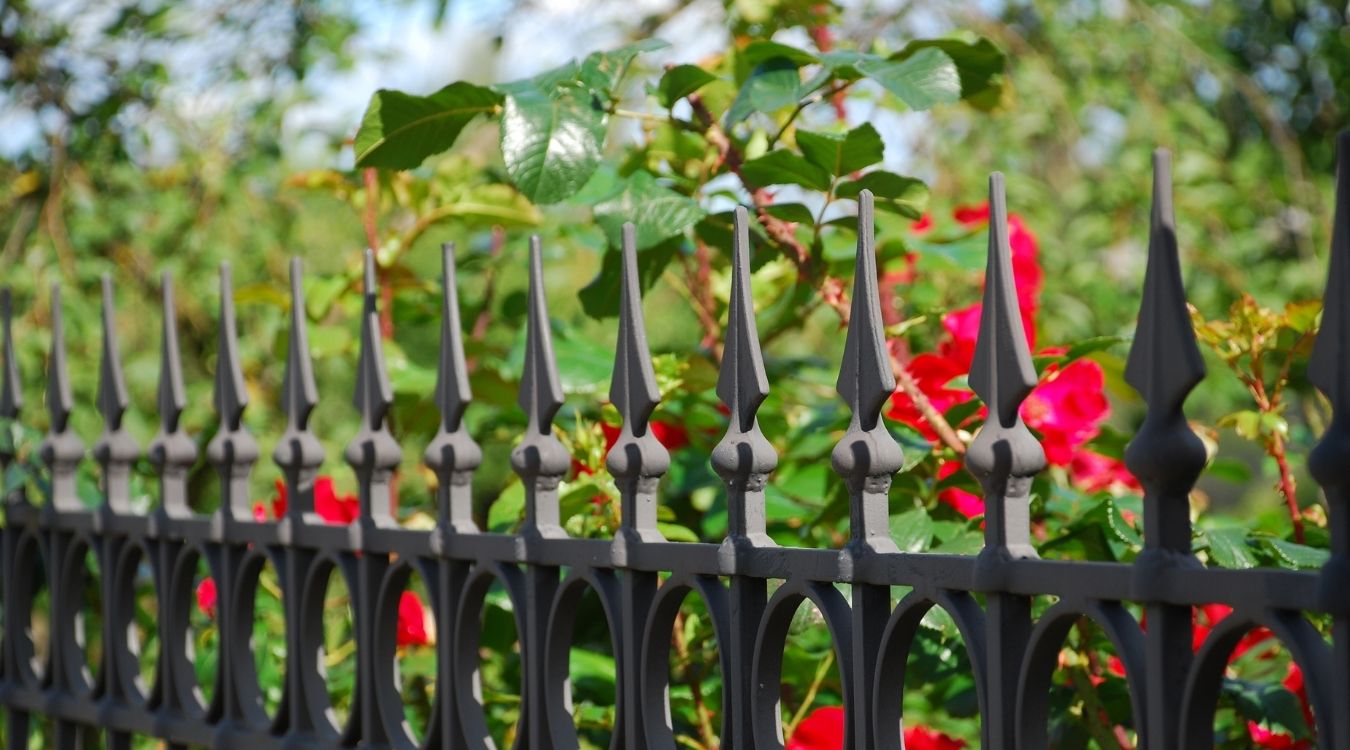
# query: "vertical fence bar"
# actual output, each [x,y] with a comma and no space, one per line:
[1164,365]
[1005,457]
[453,456]
[743,459]
[1329,370]
[232,451]
[637,461]
[299,455]
[374,455]
[541,461]
[115,452]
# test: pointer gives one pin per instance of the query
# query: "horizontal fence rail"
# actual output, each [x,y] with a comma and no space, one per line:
[751,586]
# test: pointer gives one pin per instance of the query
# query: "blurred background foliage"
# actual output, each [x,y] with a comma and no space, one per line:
[145,137]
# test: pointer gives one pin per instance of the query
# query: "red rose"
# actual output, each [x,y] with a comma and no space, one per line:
[931,373]
[967,504]
[412,621]
[1092,471]
[1067,408]
[207,597]
[822,729]
[923,738]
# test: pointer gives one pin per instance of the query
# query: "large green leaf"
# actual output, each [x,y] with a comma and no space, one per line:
[842,153]
[657,212]
[400,130]
[980,63]
[782,167]
[600,298]
[895,193]
[925,78]
[773,85]
[551,142]
[681,81]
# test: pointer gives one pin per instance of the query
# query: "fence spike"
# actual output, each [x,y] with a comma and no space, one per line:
[172,451]
[112,386]
[637,460]
[540,458]
[233,450]
[866,456]
[60,402]
[116,449]
[373,452]
[299,394]
[453,454]
[11,387]
[1329,370]
[1004,455]
[744,457]
[62,449]
[231,393]
[373,394]
[299,452]
[172,396]
[1164,365]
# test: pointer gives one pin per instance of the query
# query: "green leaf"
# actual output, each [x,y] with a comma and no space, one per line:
[912,530]
[926,78]
[795,212]
[400,130]
[760,51]
[551,144]
[894,193]
[600,298]
[681,81]
[1230,470]
[841,154]
[657,212]
[1229,548]
[773,85]
[1297,556]
[783,167]
[980,64]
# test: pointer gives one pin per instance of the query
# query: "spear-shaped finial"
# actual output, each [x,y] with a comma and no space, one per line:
[1004,455]
[638,460]
[744,457]
[116,449]
[1329,370]
[233,450]
[11,389]
[1164,365]
[373,453]
[867,455]
[299,453]
[453,454]
[172,451]
[540,459]
[62,448]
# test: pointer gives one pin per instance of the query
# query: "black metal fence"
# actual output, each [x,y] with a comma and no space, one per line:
[750,585]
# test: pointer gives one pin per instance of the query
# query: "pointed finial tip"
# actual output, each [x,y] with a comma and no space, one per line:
[865,198]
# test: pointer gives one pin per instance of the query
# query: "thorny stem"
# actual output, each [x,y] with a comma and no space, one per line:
[822,672]
[705,729]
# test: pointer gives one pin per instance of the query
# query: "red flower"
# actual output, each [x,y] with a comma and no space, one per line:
[967,504]
[923,738]
[412,621]
[1067,407]
[931,373]
[822,729]
[673,436]
[207,597]
[1263,737]
[1092,471]
[922,224]
[328,504]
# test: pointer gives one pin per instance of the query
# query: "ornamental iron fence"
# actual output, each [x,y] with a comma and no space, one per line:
[751,586]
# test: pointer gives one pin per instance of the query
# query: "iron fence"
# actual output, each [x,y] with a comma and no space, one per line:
[750,585]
